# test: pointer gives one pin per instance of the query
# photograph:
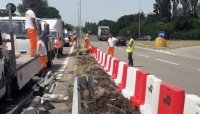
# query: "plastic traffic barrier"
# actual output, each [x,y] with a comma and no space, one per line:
[115,69]
[192,104]
[129,89]
[121,81]
[97,55]
[103,59]
[118,78]
[109,57]
[94,50]
[100,58]
[152,96]
[111,67]
[171,99]
[110,64]
[140,87]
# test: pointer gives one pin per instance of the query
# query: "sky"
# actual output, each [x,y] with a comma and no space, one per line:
[94,10]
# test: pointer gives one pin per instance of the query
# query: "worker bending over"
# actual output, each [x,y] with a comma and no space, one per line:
[41,50]
[87,43]
[111,42]
[31,28]
[72,39]
[58,47]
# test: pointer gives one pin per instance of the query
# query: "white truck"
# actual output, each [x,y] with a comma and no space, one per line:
[16,73]
[56,29]
[103,33]
[66,38]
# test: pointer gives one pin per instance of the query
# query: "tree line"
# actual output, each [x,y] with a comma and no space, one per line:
[180,19]
[42,10]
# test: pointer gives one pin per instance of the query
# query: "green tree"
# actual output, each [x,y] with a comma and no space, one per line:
[41,8]
[69,27]
[52,12]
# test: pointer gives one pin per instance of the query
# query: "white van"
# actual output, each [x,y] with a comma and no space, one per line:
[66,38]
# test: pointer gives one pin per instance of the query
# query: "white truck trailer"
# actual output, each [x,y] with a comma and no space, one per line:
[16,73]
[103,33]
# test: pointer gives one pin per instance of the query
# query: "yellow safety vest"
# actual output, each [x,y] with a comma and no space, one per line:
[131,48]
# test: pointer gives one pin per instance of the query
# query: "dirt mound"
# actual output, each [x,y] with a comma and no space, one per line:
[107,98]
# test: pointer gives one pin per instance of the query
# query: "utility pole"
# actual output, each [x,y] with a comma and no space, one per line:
[139,17]
[80,17]
[78,31]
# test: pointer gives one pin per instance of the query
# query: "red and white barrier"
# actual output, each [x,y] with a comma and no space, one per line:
[145,91]
[140,87]
[97,55]
[103,59]
[192,104]
[109,57]
[94,50]
[152,96]
[122,84]
[100,57]
[118,79]
[112,66]
[171,99]
[115,69]
[129,89]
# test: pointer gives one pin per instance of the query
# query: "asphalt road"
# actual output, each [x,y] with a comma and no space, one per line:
[18,96]
[179,70]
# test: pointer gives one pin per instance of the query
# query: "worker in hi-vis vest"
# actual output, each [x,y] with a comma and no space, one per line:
[87,43]
[72,39]
[58,46]
[130,50]
[31,28]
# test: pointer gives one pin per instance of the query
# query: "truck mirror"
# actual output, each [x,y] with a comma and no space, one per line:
[46,29]
[12,6]
[1,42]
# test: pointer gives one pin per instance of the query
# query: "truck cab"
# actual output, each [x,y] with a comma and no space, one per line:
[103,33]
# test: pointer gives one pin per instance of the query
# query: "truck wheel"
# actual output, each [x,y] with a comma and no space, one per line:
[28,85]
[49,63]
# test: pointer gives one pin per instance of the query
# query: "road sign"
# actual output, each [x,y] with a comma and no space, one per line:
[12,6]
[161,34]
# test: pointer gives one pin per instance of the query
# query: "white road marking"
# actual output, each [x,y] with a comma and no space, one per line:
[198,69]
[167,62]
[166,52]
[64,65]
[143,55]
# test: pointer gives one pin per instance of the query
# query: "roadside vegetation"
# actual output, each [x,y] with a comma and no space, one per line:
[179,20]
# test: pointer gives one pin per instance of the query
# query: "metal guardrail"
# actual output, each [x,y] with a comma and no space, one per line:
[76,105]
[81,84]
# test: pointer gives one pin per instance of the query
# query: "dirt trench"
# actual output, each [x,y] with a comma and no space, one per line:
[107,98]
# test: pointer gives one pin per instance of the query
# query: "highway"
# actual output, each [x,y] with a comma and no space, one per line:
[179,70]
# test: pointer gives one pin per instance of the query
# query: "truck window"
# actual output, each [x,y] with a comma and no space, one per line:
[18,28]
[53,34]
[105,31]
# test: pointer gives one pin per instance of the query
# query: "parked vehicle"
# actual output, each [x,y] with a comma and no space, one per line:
[121,41]
[146,38]
[103,33]
[18,73]
[66,38]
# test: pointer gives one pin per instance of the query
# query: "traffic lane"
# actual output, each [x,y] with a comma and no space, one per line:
[192,63]
[169,73]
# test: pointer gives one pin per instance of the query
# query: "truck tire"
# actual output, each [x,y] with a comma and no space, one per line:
[49,63]
[28,85]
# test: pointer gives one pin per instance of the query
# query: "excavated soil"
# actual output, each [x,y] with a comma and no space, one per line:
[107,99]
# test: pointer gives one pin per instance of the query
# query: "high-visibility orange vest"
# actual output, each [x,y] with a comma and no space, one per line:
[58,44]
[87,41]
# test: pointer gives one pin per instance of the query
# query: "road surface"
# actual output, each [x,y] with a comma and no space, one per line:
[179,70]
